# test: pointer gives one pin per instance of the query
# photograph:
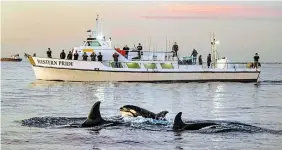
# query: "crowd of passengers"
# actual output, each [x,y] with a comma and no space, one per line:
[175,49]
[74,56]
[194,54]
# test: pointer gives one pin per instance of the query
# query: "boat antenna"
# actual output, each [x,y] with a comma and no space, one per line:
[97,27]
[166,48]
[168,43]
[149,48]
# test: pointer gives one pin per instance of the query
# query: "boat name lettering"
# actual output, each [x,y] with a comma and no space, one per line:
[55,62]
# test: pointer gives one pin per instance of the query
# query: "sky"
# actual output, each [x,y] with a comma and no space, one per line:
[243,27]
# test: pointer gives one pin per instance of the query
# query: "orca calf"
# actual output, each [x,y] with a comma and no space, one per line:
[135,111]
[180,125]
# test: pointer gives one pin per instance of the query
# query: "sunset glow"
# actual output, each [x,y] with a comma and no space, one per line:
[178,10]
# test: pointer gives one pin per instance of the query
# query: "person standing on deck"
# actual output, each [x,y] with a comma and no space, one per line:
[139,48]
[93,56]
[115,56]
[194,54]
[84,56]
[200,60]
[100,57]
[256,59]
[175,49]
[126,48]
[209,60]
[63,55]
[49,53]
[69,57]
[75,56]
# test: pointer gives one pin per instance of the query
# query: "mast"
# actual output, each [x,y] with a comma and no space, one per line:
[166,48]
[97,26]
[214,54]
[97,31]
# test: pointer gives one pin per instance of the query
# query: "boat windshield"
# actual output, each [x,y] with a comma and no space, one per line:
[92,43]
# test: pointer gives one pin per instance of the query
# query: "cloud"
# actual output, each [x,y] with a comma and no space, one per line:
[208,11]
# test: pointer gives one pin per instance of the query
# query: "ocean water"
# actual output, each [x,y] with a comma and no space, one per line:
[22,97]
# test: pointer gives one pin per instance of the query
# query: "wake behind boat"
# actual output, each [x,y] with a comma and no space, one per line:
[136,66]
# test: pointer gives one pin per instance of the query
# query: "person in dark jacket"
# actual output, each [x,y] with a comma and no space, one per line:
[139,48]
[256,60]
[126,48]
[75,56]
[115,56]
[209,60]
[175,49]
[200,60]
[84,56]
[100,57]
[49,53]
[93,56]
[63,55]
[69,57]
[194,54]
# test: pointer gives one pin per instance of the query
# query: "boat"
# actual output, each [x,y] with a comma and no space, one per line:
[153,66]
[12,58]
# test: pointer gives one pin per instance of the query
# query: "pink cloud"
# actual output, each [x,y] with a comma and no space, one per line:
[184,11]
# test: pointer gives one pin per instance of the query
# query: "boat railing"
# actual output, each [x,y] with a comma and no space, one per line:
[222,66]
[153,66]
[232,66]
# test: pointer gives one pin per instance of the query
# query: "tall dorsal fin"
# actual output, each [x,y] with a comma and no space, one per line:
[162,114]
[95,111]
[94,117]
[178,123]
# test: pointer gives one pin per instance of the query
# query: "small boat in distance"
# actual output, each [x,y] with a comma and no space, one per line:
[12,58]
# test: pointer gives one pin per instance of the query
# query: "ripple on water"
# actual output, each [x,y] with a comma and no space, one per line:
[23,98]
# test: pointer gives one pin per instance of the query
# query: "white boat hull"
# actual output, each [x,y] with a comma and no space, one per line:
[64,74]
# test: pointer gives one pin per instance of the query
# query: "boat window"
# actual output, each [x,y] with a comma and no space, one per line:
[167,65]
[93,43]
[133,65]
[150,66]
[114,66]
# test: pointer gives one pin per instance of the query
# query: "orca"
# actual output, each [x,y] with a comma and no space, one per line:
[180,125]
[94,118]
[135,111]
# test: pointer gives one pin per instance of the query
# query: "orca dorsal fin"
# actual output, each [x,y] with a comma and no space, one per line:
[94,116]
[178,123]
[95,111]
[162,114]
